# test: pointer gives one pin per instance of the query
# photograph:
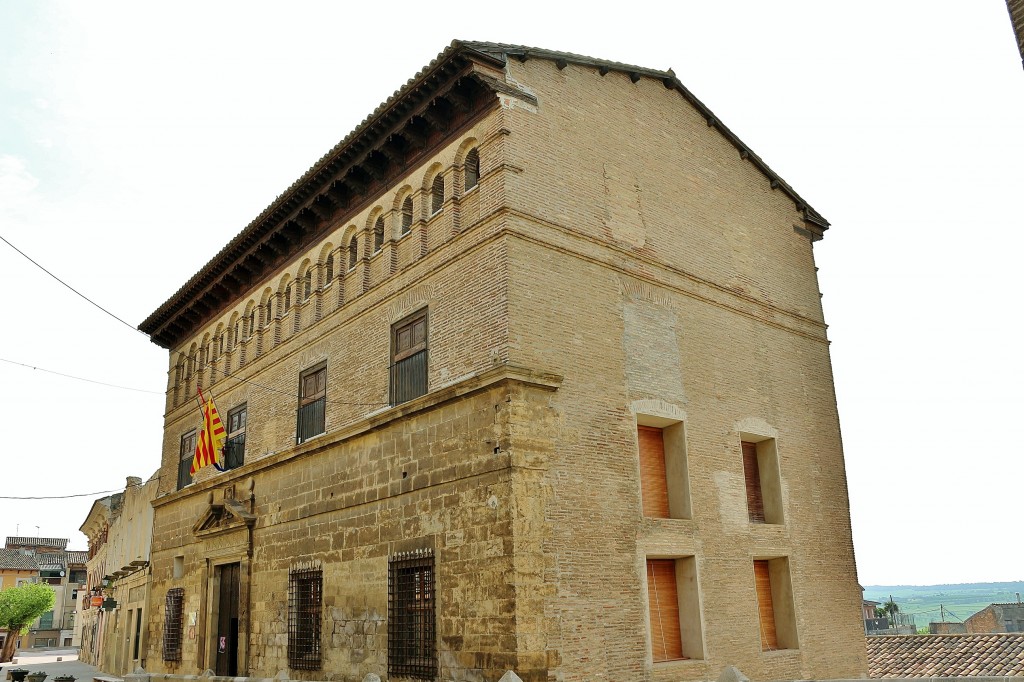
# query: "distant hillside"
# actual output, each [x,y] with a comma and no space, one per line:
[960,601]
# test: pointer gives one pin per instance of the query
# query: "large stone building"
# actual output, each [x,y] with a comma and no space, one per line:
[528,373]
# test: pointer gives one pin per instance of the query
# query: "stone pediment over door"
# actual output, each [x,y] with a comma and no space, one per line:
[223,515]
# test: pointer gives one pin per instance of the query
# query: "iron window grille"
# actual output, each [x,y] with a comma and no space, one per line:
[305,596]
[188,451]
[412,650]
[173,611]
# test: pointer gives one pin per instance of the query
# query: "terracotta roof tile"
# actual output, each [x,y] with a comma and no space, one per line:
[993,655]
[16,560]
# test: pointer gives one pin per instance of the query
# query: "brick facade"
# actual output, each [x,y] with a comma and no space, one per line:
[621,262]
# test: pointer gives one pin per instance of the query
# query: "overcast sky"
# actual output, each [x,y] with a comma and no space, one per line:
[137,138]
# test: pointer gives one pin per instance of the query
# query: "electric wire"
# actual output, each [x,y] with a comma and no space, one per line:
[190,357]
[54,497]
[76,291]
[71,376]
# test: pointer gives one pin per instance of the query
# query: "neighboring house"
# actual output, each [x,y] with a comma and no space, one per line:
[92,618]
[946,628]
[528,373]
[946,656]
[16,566]
[64,572]
[872,622]
[120,531]
[997,618]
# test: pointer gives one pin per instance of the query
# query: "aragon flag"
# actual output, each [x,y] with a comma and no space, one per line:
[211,438]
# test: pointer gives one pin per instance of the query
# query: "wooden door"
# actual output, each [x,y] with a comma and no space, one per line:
[226,634]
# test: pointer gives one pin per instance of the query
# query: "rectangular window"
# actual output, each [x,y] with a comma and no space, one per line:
[173,610]
[674,609]
[187,453]
[664,479]
[312,403]
[411,615]
[776,617]
[763,484]
[653,482]
[305,597]
[234,446]
[409,358]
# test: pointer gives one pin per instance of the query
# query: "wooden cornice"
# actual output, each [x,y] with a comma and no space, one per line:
[430,110]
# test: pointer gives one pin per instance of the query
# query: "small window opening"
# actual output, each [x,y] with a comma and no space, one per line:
[472,167]
[437,194]
[378,234]
[407,215]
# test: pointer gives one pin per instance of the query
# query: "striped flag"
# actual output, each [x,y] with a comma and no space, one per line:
[211,438]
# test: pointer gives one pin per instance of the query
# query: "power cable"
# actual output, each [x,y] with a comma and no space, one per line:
[71,376]
[55,497]
[130,326]
[79,293]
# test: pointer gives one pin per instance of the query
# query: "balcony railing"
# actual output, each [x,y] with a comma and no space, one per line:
[409,378]
[310,420]
[234,452]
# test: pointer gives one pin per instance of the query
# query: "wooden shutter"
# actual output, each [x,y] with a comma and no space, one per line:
[663,597]
[765,608]
[653,483]
[752,476]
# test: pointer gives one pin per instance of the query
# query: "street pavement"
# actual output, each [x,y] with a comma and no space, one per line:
[47,660]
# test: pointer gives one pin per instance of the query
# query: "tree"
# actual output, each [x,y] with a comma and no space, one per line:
[19,606]
[890,610]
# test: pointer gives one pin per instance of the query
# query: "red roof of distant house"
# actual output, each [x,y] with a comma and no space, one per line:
[995,655]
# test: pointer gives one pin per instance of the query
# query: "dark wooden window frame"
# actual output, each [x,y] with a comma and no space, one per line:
[312,410]
[174,607]
[186,453]
[412,614]
[305,604]
[234,445]
[409,368]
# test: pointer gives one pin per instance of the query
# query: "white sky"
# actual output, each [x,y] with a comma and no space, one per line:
[136,139]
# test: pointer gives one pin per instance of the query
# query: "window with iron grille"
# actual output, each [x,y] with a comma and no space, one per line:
[409,358]
[305,596]
[173,610]
[312,403]
[411,614]
[187,453]
[234,446]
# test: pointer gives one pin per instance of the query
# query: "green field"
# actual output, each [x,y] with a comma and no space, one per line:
[960,601]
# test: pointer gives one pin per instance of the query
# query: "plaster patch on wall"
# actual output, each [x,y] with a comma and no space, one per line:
[732,498]
[623,209]
[651,350]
